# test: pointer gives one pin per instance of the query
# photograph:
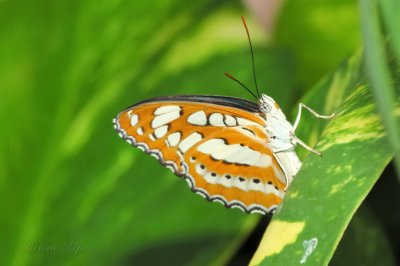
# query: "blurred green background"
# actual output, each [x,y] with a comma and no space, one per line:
[72,192]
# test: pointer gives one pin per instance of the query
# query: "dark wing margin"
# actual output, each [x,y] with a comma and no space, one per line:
[211,99]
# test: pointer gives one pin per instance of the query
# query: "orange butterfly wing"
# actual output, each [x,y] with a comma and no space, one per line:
[220,150]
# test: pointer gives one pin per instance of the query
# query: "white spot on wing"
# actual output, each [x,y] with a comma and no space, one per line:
[199,118]
[167,109]
[225,181]
[246,122]
[139,131]
[234,153]
[270,189]
[243,155]
[134,120]
[245,132]
[210,145]
[230,120]
[200,169]
[264,161]
[243,185]
[216,119]
[226,151]
[174,139]
[256,186]
[161,131]
[211,178]
[189,141]
[164,119]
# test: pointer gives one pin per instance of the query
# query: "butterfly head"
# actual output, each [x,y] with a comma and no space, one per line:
[268,105]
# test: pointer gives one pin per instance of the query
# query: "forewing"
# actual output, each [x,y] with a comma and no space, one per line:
[220,150]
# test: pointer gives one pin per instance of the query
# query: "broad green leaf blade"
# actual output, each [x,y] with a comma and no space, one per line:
[327,191]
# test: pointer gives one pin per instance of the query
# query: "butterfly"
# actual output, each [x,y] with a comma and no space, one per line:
[229,150]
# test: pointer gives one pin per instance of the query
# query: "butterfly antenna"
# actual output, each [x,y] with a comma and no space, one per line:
[241,84]
[252,55]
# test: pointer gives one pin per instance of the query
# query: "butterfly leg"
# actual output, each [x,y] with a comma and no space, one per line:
[299,141]
[301,106]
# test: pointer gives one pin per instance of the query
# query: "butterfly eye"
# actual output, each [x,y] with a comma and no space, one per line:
[265,107]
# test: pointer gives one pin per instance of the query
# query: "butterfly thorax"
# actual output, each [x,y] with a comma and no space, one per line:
[280,132]
[279,129]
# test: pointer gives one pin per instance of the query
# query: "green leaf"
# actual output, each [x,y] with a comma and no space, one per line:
[326,193]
